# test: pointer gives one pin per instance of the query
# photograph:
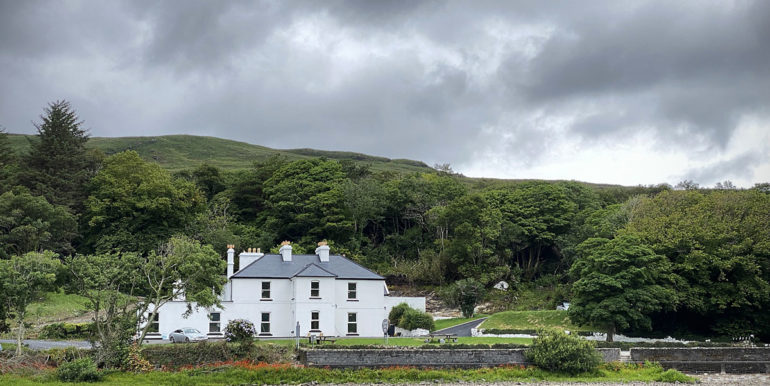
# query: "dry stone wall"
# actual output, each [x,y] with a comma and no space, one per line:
[465,358]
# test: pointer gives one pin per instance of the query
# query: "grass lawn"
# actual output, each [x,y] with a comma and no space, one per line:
[446,323]
[399,342]
[284,374]
[531,320]
[56,306]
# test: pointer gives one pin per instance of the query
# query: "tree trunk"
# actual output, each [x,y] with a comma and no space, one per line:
[611,333]
[20,333]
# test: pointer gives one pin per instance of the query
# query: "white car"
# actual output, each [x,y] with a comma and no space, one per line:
[186,334]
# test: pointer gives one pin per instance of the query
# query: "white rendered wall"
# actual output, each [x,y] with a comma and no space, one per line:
[290,302]
[417,303]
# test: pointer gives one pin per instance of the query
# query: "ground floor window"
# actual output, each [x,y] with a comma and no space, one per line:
[352,323]
[264,327]
[214,322]
[315,320]
[154,323]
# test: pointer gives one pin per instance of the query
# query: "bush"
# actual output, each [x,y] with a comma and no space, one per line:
[464,294]
[79,370]
[409,319]
[66,331]
[556,351]
[240,330]
[413,319]
[397,312]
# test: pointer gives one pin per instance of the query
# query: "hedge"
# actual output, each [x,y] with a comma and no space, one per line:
[66,331]
[177,355]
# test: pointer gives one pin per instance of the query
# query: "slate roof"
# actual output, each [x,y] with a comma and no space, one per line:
[272,266]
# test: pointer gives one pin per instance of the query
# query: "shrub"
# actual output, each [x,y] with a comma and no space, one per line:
[413,319]
[79,370]
[66,331]
[409,319]
[464,294]
[240,330]
[397,312]
[135,362]
[556,351]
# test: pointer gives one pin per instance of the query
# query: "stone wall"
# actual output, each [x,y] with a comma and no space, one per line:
[708,359]
[423,357]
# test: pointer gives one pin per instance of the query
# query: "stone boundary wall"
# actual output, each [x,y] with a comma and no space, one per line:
[708,359]
[465,358]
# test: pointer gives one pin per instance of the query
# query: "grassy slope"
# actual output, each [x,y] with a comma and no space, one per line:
[446,323]
[56,306]
[527,320]
[176,152]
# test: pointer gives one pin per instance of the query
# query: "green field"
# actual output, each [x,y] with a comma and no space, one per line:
[530,320]
[178,152]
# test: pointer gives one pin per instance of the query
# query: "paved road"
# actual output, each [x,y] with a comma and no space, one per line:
[46,344]
[461,329]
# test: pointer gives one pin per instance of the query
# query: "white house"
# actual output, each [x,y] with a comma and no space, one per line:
[324,293]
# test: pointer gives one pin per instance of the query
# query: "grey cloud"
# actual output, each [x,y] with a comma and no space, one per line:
[436,81]
[737,167]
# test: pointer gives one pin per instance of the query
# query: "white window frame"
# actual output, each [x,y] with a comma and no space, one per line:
[217,322]
[155,321]
[353,291]
[263,291]
[317,320]
[263,323]
[317,289]
[353,323]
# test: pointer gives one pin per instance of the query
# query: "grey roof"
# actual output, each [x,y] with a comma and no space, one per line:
[273,266]
[312,270]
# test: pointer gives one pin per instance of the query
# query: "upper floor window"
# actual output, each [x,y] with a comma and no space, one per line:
[265,290]
[352,292]
[315,289]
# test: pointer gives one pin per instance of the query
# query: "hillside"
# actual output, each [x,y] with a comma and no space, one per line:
[176,152]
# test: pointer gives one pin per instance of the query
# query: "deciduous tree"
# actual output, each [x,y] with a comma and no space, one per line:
[30,224]
[182,268]
[135,205]
[619,283]
[24,279]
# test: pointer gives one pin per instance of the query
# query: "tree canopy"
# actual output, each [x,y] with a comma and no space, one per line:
[135,205]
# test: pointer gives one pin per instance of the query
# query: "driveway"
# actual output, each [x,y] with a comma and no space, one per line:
[46,344]
[461,329]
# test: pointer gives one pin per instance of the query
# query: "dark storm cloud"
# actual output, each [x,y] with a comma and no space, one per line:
[431,80]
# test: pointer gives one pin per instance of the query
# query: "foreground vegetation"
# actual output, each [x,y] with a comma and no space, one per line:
[249,373]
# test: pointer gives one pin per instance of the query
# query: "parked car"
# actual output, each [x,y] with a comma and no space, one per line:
[186,334]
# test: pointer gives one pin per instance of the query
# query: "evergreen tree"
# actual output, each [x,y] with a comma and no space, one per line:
[58,165]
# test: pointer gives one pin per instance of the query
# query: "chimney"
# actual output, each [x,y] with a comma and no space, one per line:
[323,251]
[285,251]
[249,256]
[230,259]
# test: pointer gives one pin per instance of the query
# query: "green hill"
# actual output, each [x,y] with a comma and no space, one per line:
[177,152]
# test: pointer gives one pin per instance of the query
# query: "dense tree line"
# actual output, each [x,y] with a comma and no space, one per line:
[639,257]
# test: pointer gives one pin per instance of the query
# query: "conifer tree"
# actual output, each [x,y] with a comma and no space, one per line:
[58,165]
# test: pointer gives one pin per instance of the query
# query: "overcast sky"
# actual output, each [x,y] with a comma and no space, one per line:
[612,91]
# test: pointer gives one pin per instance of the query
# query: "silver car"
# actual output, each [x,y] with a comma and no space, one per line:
[186,334]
